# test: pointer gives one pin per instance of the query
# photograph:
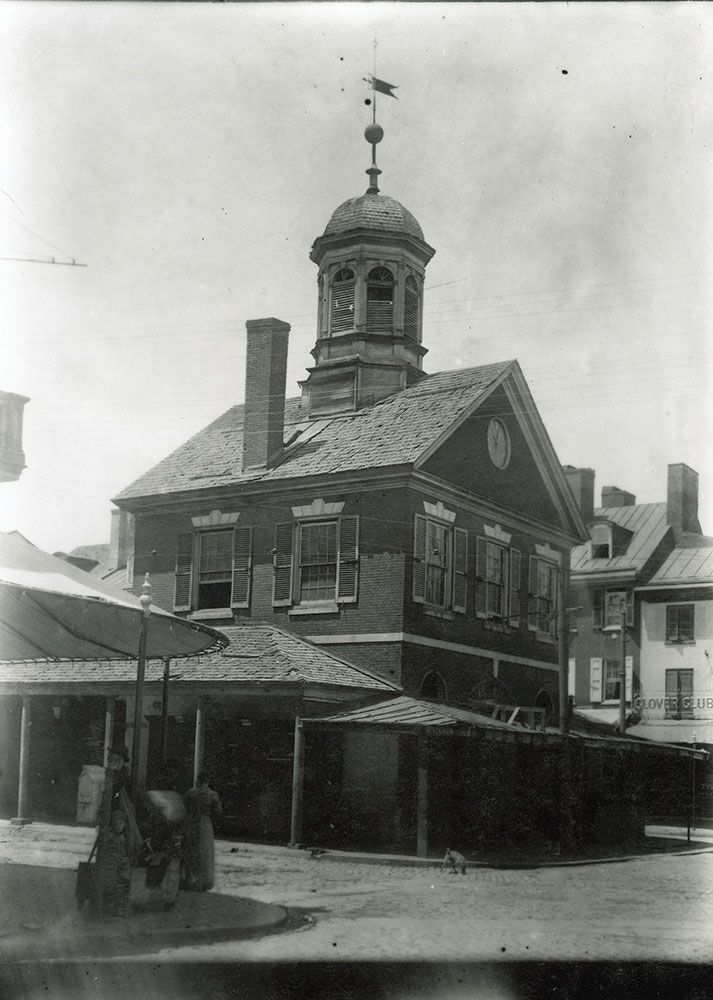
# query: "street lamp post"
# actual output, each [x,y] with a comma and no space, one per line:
[145,600]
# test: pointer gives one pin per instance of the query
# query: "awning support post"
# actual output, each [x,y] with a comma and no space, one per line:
[109,715]
[422,800]
[199,739]
[298,773]
[24,777]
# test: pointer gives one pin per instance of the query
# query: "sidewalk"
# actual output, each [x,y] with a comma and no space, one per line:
[40,919]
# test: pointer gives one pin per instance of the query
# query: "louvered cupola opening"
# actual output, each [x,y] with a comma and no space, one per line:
[342,311]
[380,301]
[411,303]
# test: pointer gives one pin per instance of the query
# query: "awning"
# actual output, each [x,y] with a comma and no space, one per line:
[414,716]
[52,610]
[688,731]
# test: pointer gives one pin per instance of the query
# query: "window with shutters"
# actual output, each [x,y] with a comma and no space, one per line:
[679,623]
[342,310]
[380,301]
[440,564]
[611,680]
[316,562]
[497,580]
[542,610]
[411,303]
[607,606]
[213,569]
[679,694]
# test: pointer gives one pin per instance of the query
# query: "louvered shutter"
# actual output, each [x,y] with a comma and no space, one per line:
[572,678]
[629,669]
[348,560]
[460,569]
[242,559]
[419,558]
[481,573]
[184,562]
[595,679]
[282,565]
[532,596]
[597,608]
[514,581]
[630,607]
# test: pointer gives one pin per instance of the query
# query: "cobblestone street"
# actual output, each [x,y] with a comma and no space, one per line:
[650,908]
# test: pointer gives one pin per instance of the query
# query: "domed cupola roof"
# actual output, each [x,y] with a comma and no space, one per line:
[375,212]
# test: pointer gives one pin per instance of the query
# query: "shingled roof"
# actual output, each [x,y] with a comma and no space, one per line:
[393,432]
[256,654]
[690,564]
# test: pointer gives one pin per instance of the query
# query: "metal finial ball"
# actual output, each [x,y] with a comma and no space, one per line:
[373,133]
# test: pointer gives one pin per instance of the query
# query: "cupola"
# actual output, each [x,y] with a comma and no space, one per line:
[372,259]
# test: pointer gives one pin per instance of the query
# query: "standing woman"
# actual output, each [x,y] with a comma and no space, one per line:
[202,807]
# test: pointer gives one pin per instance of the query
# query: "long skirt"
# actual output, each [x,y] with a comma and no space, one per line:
[199,854]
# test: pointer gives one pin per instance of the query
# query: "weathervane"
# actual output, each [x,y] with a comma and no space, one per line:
[374,133]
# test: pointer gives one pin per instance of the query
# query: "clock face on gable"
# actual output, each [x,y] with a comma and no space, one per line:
[498,443]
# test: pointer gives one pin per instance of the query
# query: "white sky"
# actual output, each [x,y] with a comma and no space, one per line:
[189,154]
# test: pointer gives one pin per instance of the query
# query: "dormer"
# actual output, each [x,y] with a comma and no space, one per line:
[608,539]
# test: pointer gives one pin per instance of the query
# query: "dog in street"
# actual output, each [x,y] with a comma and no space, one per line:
[455,861]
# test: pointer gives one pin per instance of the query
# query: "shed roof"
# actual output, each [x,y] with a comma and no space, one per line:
[690,563]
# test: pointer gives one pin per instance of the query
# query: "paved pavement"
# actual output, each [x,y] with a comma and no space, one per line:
[367,907]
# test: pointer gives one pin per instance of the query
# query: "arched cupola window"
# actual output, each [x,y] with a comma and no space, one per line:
[380,301]
[342,312]
[411,301]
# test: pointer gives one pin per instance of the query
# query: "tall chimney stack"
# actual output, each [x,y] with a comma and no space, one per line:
[265,381]
[581,483]
[682,500]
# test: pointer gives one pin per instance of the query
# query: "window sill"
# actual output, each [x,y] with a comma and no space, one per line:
[210,614]
[328,608]
[439,613]
[680,642]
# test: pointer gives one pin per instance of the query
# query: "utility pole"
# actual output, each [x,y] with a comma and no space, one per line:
[563,649]
[622,672]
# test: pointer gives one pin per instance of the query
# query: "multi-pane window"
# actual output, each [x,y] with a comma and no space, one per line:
[611,680]
[317,573]
[379,300]
[679,694]
[542,610]
[316,561]
[342,308]
[607,607]
[213,569]
[497,581]
[679,623]
[440,563]
[437,544]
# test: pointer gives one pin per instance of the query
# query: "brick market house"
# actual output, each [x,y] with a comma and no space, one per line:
[414,528]
[415,524]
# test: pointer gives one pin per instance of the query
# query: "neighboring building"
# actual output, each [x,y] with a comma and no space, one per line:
[675,699]
[628,547]
[12,457]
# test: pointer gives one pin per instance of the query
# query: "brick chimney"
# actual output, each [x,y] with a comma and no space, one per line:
[581,483]
[265,380]
[612,496]
[121,539]
[682,500]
